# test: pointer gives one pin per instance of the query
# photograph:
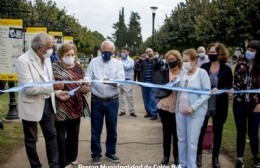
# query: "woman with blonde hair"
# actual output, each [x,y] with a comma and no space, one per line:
[167,103]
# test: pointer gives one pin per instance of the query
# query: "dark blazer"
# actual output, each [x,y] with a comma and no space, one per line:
[157,63]
[164,79]
[225,81]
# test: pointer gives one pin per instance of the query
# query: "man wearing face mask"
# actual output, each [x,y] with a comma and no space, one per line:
[149,67]
[203,58]
[126,89]
[54,57]
[104,101]
[37,103]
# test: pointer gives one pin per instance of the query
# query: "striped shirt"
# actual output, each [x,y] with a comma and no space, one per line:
[73,107]
[148,73]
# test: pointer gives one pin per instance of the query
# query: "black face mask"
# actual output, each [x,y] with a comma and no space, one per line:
[173,64]
[213,57]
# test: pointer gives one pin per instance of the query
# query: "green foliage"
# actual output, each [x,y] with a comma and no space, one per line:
[120,35]
[46,13]
[199,22]
[134,37]
[128,36]
[11,138]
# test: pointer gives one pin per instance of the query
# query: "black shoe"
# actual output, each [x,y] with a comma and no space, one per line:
[147,115]
[154,118]
[176,161]
[165,161]
[215,162]
[256,162]
[239,164]
[199,160]
[121,113]
[133,115]
[1,125]
[96,160]
[113,158]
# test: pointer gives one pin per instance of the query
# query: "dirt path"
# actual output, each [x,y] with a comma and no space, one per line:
[139,143]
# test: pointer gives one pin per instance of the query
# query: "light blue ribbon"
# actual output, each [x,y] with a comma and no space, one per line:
[170,86]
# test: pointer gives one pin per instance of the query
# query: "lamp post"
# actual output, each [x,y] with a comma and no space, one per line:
[12,113]
[154,8]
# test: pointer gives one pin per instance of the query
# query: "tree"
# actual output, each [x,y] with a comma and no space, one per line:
[119,37]
[200,22]
[46,13]
[97,40]
[134,37]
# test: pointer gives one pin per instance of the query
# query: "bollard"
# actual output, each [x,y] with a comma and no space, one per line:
[12,113]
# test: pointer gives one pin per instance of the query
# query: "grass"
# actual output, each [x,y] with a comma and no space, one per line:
[11,138]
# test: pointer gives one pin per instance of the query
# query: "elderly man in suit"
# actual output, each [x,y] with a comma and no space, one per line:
[37,103]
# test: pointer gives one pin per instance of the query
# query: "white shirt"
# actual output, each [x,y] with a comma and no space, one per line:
[202,61]
[45,71]
[100,70]
[44,66]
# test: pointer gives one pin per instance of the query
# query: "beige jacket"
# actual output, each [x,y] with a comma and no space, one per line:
[31,100]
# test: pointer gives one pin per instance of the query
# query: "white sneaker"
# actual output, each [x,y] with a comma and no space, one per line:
[75,162]
[69,166]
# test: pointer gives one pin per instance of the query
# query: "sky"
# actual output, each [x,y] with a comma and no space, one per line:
[100,15]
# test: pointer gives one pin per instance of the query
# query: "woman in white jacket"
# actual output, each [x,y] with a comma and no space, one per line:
[191,109]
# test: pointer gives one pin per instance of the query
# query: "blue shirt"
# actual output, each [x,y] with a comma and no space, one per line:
[128,64]
[54,57]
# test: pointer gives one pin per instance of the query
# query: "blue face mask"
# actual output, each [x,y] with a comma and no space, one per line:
[106,55]
[123,55]
[202,55]
[250,55]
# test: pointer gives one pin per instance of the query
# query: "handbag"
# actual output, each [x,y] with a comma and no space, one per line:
[161,93]
[86,109]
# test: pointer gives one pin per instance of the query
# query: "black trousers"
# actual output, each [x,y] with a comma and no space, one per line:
[136,75]
[218,123]
[169,133]
[247,122]
[49,133]
[68,140]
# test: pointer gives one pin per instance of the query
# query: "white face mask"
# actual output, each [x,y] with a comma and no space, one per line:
[48,54]
[68,60]
[187,66]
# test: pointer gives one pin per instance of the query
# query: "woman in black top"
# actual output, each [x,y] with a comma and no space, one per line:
[246,107]
[221,78]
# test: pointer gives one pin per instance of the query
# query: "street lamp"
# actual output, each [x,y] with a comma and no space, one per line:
[154,8]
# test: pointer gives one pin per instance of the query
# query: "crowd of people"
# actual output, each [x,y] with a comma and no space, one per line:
[184,115]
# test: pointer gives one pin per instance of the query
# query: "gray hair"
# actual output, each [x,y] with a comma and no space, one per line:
[40,40]
[108,42]
[201,48]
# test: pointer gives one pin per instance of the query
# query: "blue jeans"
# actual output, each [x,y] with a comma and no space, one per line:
[188,132]
[99,109]
[150,102]
[245,120]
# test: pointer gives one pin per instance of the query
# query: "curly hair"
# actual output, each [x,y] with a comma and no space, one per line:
[223,54]
[65,48]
